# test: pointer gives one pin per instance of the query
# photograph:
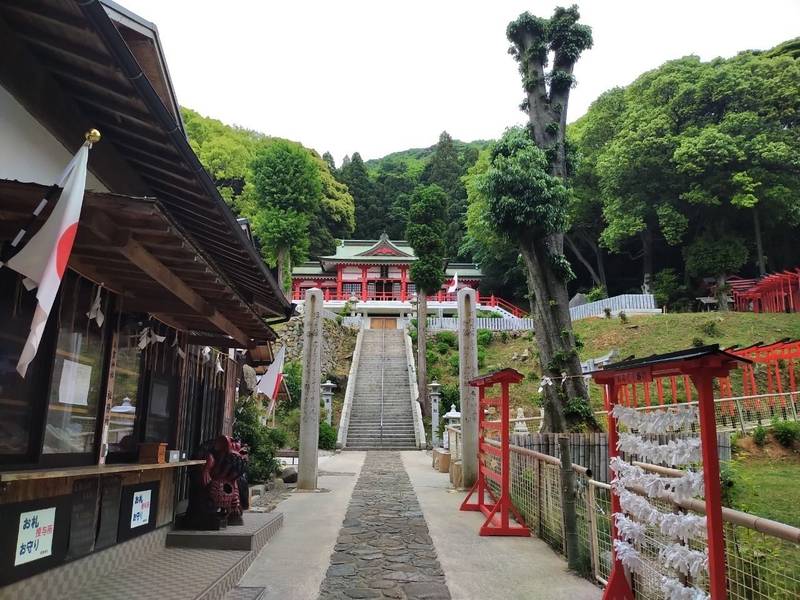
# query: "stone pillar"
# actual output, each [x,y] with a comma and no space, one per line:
[467,370]
[327,399]
[309,397]
[435,393]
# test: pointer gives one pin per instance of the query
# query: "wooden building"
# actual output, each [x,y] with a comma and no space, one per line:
[181,288]
[376,270]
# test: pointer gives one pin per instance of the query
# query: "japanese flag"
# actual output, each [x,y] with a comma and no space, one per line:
[454,286]
[44,258]
[270,383]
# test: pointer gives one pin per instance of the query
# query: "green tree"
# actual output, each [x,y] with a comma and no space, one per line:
[528,199]
[426,226]
[445,169]
[286,195]
[716,256]
[370,216]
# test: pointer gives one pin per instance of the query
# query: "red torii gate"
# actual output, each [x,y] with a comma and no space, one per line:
[701,366]
[777,292]
[500,510]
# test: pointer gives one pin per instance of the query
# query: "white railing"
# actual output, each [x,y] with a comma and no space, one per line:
[628,303]
[492,324]
[353,321]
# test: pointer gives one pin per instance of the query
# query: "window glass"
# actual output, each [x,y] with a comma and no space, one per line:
[158,427]
[16,394]
[77,381]
[121,434]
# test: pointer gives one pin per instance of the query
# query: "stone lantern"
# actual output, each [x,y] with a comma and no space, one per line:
[434,390]
[452,418]
[327,399]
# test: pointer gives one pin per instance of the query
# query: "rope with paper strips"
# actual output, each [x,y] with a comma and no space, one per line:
[639,514]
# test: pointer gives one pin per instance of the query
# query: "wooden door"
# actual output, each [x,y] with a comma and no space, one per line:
[383,323]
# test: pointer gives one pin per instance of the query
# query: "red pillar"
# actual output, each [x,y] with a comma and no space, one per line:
[704,382]
[364,295]
[403,283]
[339,269]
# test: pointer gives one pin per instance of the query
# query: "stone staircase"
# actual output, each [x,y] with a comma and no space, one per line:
[382,391]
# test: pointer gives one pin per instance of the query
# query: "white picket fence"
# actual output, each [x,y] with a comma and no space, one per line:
[628,303]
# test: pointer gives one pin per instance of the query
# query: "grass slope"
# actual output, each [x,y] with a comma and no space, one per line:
[641,336]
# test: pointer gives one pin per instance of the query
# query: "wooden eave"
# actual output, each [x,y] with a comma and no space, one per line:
[69,65]
[136,249]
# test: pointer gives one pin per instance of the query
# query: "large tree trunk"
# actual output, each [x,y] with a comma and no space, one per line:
[555,339]
[584,261]
[647,260]
[722,293]
[283,260]
[762,267]
[422,357]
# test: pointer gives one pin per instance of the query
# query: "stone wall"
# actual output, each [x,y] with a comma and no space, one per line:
[337,347]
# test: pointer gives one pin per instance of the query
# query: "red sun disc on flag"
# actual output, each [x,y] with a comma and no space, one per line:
[64,248]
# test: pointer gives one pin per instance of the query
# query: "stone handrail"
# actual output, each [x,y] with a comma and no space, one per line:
[416,410]
[344,419]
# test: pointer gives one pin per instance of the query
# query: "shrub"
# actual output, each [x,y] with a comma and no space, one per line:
[432,357]
[484,337]
[786,432]
[260,443]
[711,329]
[450,396]
[447,338]
[596,293]
[293,376]
[435,374]
[453,362]
[623,317]
[504,336]
[727,477]
[442,347]
[481,357]
[327,436]
[760,436]
[698,342]
[412,333]
[488,314]
[667,286]
[607,312]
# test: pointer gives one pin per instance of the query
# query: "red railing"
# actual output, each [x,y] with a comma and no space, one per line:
[490,301]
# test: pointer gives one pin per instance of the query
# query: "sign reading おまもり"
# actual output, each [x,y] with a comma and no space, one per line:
[35,535]
[140,513]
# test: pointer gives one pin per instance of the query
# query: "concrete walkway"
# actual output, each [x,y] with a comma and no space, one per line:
[487,568]
[293,564]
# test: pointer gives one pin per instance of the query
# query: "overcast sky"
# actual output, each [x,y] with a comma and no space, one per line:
[377,76]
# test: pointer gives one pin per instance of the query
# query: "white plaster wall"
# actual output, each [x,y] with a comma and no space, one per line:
[28,152]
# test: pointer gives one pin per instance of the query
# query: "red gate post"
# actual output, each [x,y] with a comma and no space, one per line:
[499,511]
[704,382]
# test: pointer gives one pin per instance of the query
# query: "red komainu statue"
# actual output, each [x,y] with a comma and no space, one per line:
[214,499]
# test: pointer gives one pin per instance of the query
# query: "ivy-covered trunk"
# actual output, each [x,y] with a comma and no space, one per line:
[422,349]
[565,401]
[722,292]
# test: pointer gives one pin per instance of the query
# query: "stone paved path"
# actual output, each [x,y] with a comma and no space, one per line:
[384,549]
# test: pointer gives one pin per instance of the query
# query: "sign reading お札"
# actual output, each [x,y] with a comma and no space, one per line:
[35,536]
[140,513]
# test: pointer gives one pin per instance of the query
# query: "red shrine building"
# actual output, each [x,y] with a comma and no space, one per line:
[376,275]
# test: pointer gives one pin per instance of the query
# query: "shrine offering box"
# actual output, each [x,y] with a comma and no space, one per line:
[153,453]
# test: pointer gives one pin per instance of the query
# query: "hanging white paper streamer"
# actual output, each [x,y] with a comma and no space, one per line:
[96,311]
[629,529]
[629,556]
[206,354]
[675,525]
[687,486]
[656,421]
[675,590]
[218,365]
[685,560]
[545,381]
[675,452]
[147,336]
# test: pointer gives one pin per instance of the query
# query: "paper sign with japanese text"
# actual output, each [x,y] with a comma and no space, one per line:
[35,537]
[140,514]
